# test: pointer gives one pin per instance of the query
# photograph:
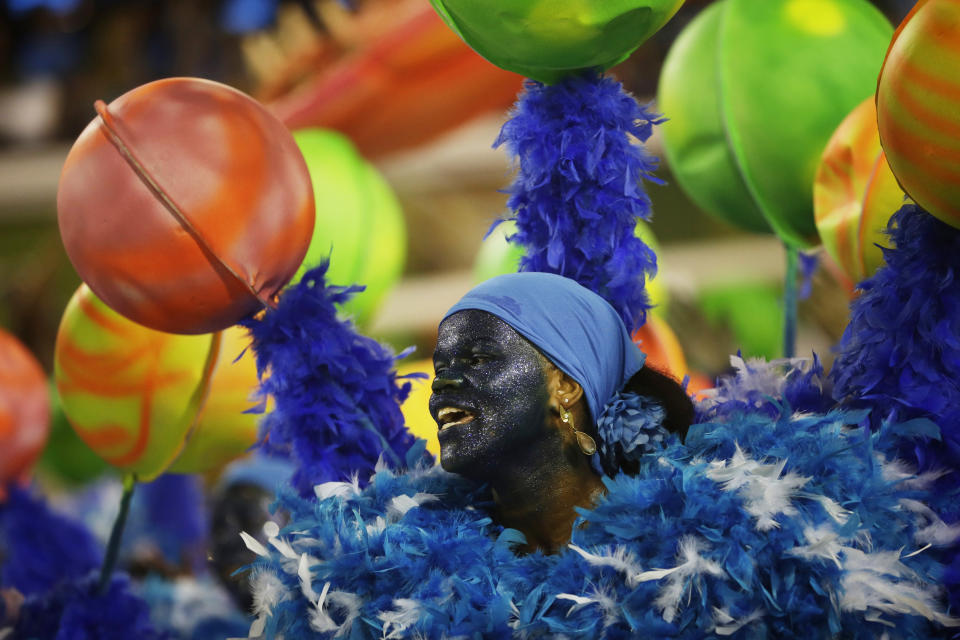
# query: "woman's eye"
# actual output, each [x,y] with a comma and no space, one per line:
[479,358]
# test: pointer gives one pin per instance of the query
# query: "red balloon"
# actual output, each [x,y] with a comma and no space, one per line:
[185,205]
[24,410]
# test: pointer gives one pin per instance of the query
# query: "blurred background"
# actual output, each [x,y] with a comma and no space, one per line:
[393,79]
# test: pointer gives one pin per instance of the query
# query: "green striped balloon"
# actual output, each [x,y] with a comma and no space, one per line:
[918,107]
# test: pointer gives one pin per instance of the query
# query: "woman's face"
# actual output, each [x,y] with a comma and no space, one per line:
[490,394]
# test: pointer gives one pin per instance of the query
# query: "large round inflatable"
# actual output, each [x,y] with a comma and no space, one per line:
[854,194]
[546,39]
[147,401]
[918,107]
[753,90]
[185,205]
[24,410]
[359,226]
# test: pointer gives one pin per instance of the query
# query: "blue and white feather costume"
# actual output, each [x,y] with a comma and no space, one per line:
[767,522]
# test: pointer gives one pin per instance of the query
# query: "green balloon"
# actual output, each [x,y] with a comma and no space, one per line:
[752,312]
[359,226]
[547,39]
[754,89]
[497,255]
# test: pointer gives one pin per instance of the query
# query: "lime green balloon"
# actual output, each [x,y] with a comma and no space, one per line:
[498,256]
[360,225]
[753,313]
[754,89]
[547,39]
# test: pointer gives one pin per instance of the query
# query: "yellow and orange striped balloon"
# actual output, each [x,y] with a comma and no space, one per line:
[918,107]
[855,193]
[147,401]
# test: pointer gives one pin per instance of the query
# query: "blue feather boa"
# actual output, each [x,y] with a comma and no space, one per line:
[75,610]
[900,353]
[53,561]
[40,547]
[336,392]
[578,190]
[765,523]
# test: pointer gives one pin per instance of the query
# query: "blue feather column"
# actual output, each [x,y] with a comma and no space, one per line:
[900,354]
[336,392]
[578,190]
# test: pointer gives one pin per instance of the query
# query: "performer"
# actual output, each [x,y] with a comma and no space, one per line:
[523,363]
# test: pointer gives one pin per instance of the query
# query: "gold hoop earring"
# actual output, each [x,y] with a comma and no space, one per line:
[587,444]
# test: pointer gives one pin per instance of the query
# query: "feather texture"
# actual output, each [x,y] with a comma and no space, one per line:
[40,548]
[681,550]
[337,396]
[74,610]
[578,190]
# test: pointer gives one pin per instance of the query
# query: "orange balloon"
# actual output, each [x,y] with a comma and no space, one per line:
[24,410]
[855,193]
[698,384]
[662,347]
[185,206]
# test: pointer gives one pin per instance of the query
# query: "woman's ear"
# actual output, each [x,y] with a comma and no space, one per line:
[564,390]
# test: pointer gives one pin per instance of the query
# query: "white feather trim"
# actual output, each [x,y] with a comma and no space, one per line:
[268,591]
[608,606]
[879,583]
[684,575]
[823,543]
[343,490]
[766,493]
[254,545]
[399,505]
[726,625]
[404,614]
[933,530]
[306,578]
[619,560]
[346,605]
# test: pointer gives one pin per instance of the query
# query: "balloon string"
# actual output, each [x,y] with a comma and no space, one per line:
[113,135]
[790,303]
[113,545]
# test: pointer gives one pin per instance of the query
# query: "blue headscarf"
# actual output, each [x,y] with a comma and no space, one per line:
[572,326]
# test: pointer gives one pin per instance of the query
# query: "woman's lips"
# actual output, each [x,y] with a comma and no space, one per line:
[452,417]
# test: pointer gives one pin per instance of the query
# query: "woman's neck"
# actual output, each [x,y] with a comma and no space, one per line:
[539,495]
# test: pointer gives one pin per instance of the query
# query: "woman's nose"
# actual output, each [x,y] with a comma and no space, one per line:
[446,381]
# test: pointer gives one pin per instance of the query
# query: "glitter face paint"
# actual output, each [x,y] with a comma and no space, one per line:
[491,387]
